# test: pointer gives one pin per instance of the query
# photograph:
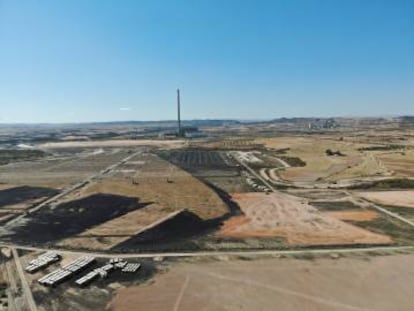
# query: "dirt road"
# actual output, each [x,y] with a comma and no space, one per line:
[25,285]
[218,253]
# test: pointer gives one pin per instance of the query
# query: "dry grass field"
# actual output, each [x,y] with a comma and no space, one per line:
[402,163]
[319,165]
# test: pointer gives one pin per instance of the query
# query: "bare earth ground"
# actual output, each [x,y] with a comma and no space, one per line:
[381,283]
[397,198]
[282,215]
[149,186]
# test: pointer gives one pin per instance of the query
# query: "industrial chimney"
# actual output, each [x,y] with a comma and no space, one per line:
[178,113]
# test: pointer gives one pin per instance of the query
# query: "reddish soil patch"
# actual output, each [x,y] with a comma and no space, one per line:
[289,217]
[353,215]
[231,225]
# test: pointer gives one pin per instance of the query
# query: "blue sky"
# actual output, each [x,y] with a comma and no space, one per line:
[79,61]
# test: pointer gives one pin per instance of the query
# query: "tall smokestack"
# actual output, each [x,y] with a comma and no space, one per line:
[178,112]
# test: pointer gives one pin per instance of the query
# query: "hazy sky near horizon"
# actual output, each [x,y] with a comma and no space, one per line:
[96,60]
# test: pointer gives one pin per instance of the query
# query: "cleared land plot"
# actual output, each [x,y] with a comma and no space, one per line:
[395,198]
[282,215]
[278,284]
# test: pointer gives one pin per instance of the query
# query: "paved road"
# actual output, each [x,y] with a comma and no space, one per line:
[11,301]
[248,168]
[217,253]
[10,276]
[26,288]
[12,290]
[283,162]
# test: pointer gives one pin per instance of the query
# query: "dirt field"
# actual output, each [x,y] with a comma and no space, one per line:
[394,198]
[281,215]
[346,284]
[160,197]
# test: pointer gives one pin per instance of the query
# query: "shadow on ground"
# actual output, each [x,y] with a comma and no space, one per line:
[179,232]
[51,224]
[22,194]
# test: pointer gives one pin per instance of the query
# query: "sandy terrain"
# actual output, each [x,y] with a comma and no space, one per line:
[396,198]
[114,143]
[286,216]
[353,215]
[347,284]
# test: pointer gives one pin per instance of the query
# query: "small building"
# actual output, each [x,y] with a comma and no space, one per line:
[192,132]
